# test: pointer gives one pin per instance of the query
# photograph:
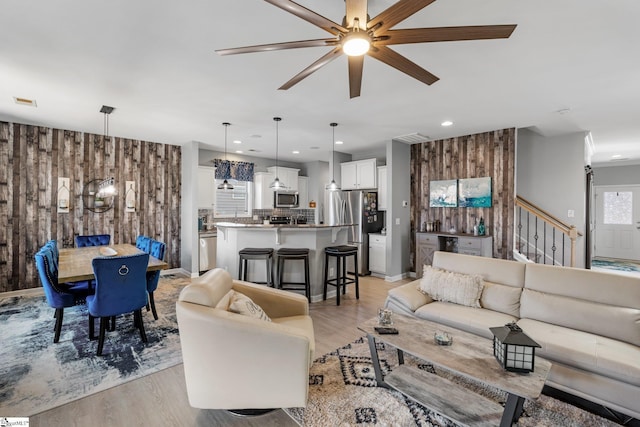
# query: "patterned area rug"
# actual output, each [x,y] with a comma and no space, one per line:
[36,374]
[342,392]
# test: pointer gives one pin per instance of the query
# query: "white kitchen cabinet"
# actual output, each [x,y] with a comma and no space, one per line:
[303,192]
[378,253]
[288,176]
[263,195]
[359,174]
[382,188]
[206,187]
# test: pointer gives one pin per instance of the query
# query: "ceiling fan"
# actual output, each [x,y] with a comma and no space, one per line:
[358,35]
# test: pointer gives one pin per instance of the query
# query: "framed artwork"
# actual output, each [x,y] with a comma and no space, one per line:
[443,194]
[474,192]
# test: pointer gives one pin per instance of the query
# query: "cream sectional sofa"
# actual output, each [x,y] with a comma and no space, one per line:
[587,322]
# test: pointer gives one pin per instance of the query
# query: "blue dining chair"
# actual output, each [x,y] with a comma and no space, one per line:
[121,287]
[153,277]
[93,240]
[59,296]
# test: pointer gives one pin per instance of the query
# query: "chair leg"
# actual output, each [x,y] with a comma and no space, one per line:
[92,333]
[103,328]
[58,327]
[355,266]
[326,269]
[138,314]
[153,306]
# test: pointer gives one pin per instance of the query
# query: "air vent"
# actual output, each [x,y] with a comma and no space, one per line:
[412,138]
[25,101]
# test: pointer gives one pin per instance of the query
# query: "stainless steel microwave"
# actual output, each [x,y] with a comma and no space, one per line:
[285,199]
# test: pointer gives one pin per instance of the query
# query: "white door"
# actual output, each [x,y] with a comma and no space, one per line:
[617,230]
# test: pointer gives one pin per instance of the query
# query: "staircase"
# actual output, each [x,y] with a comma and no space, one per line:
[543,238]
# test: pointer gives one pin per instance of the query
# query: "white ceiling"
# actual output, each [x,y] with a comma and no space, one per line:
[154,61]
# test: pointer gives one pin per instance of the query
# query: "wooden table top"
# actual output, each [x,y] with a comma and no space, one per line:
[75,263]
[469,355]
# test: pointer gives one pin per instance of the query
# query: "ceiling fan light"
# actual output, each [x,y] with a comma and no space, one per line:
[356,43]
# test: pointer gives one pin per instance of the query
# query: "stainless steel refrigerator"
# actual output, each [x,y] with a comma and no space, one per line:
[357,207]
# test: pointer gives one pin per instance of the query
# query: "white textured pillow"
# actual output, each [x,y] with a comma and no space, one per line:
[458,288]
[242,304]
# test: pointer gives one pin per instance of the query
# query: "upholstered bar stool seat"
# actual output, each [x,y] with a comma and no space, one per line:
[341,253]
[247,254]
[285,254]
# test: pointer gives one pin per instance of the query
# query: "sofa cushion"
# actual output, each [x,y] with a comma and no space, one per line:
[474,320]
[448,286]
[242,304]
[502,298]
[584,350]
[620,323]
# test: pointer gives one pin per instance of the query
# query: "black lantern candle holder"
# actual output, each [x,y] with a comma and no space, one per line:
[513,349]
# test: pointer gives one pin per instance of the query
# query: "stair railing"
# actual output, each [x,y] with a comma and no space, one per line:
[541,237]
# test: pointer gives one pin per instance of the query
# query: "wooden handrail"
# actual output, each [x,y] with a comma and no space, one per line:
[569,230]
[546,217]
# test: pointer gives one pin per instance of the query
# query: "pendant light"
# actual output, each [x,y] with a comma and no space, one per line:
[332,186]
[276,184]
[225,184]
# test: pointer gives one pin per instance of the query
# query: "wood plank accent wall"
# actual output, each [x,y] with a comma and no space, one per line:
[472,156]
[32,158]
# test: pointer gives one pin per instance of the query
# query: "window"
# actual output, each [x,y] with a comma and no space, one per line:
[236,202]
[618,206]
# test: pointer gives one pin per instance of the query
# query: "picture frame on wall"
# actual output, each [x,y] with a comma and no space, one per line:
[443,193]
[474,192]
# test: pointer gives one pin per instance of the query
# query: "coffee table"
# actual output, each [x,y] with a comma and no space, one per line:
[470,356]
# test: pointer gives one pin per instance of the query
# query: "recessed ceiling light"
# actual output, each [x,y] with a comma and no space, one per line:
[446,123]
[295,152]
[25,101]
[237,141]
[339,142]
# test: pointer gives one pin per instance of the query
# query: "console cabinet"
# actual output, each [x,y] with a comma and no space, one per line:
[428,243]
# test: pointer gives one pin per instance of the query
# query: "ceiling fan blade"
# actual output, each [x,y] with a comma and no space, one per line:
[357,9]
[309,16]
[397,13]
[445,34]
[312,68]
[277,46]
[355,75]
[399,62]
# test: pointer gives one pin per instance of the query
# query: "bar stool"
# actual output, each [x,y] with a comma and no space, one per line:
[247,254]
[341,253]
[294,254]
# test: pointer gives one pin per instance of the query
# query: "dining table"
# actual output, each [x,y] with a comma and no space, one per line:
[74,264]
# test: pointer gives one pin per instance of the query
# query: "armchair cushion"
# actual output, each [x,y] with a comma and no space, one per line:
[242,304]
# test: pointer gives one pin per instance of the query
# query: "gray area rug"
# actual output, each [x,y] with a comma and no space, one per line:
[36,374]
[342,392]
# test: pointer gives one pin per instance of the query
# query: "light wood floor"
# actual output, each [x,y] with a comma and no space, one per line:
[160,399]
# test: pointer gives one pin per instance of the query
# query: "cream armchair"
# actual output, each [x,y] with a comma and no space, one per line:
[235,362]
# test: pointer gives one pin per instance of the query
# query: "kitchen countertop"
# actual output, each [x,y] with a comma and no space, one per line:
[272,226]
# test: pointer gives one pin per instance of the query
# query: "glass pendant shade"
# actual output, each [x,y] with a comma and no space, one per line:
[225,184]
[332,186]
[276,184]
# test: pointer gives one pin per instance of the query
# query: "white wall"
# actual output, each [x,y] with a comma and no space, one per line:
[399,191]
[616,175]
[550,174]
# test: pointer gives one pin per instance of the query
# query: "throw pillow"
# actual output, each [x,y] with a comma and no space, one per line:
[242,304]
[458,288]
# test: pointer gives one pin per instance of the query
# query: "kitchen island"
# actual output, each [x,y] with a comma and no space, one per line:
[232,237]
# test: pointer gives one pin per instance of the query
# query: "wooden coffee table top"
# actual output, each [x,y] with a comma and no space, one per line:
[469,355]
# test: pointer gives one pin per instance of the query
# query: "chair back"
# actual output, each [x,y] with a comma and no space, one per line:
[47,267]
[121,285]
[143,243]
[93,240]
